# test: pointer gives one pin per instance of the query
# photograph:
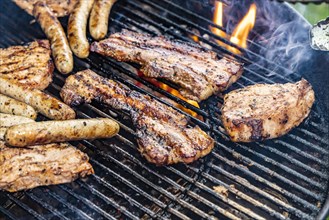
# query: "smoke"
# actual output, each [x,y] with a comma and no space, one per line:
[282,35]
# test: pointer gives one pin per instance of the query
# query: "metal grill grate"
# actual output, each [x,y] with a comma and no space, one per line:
[282,178]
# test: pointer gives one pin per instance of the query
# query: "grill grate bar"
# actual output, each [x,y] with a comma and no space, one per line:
[276,163]
[279,202]
[25,207]
[266,182]
[107,200]
[230,202]
[301,152]
[120,193]
[294,161]
[269,171]
[159,189]
[86,202]
[243,196]
[7,213]
[45,205]
[69,206]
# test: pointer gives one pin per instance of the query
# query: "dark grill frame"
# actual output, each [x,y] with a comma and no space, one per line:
[126,186]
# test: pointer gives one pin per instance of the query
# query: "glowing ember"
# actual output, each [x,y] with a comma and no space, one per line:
[240,33]
[173,92]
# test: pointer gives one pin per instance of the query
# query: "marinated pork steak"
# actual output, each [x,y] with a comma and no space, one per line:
[59,7]
[26,168]
[264,111]
[30,65]
[163,135]
[198,72]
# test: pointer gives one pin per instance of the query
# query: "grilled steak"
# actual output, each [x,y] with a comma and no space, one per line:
[263,111]
[26,168]
[30,65]
[162,133]
[198,72]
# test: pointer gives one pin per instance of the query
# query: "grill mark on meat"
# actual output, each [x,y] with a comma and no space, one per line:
[26,168]
[30,65]
[263,111]
[198,72]
[162,133]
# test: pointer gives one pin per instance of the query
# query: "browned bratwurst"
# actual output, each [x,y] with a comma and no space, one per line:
[49,23]
[99,18]
[7,120]
[14,107]
[76,29]
[40,101]
[59,131]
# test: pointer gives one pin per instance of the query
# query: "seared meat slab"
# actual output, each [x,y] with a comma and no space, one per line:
[163,135]
[26,168]
[263,111]
[198,72]
[30,65]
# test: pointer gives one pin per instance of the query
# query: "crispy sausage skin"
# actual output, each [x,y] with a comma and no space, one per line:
[7,120]
[49,23]
[40,101]
[77,26]
[99,18]
[59,131]
[14,107]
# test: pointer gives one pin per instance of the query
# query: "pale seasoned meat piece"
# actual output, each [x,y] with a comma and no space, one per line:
[26,168]
[59,7]
[265,111]
[198,72]
[30,65]
[163,134]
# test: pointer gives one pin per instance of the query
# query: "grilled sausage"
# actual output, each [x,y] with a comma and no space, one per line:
[14,107]
[49,23]
[59,131]
[7,120]
[99,18]
[77,26]
[40,101]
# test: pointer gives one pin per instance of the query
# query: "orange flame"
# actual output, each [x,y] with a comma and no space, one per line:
[218,19]
[240,33]
[173,92]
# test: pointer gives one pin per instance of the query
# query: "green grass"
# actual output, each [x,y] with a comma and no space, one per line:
[313,12]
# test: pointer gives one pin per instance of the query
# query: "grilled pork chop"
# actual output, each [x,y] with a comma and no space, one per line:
[162,133]
[198,72]
[264,111]
[30,65]
[26,168]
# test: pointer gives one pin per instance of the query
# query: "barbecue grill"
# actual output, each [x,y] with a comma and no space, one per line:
[284,178]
